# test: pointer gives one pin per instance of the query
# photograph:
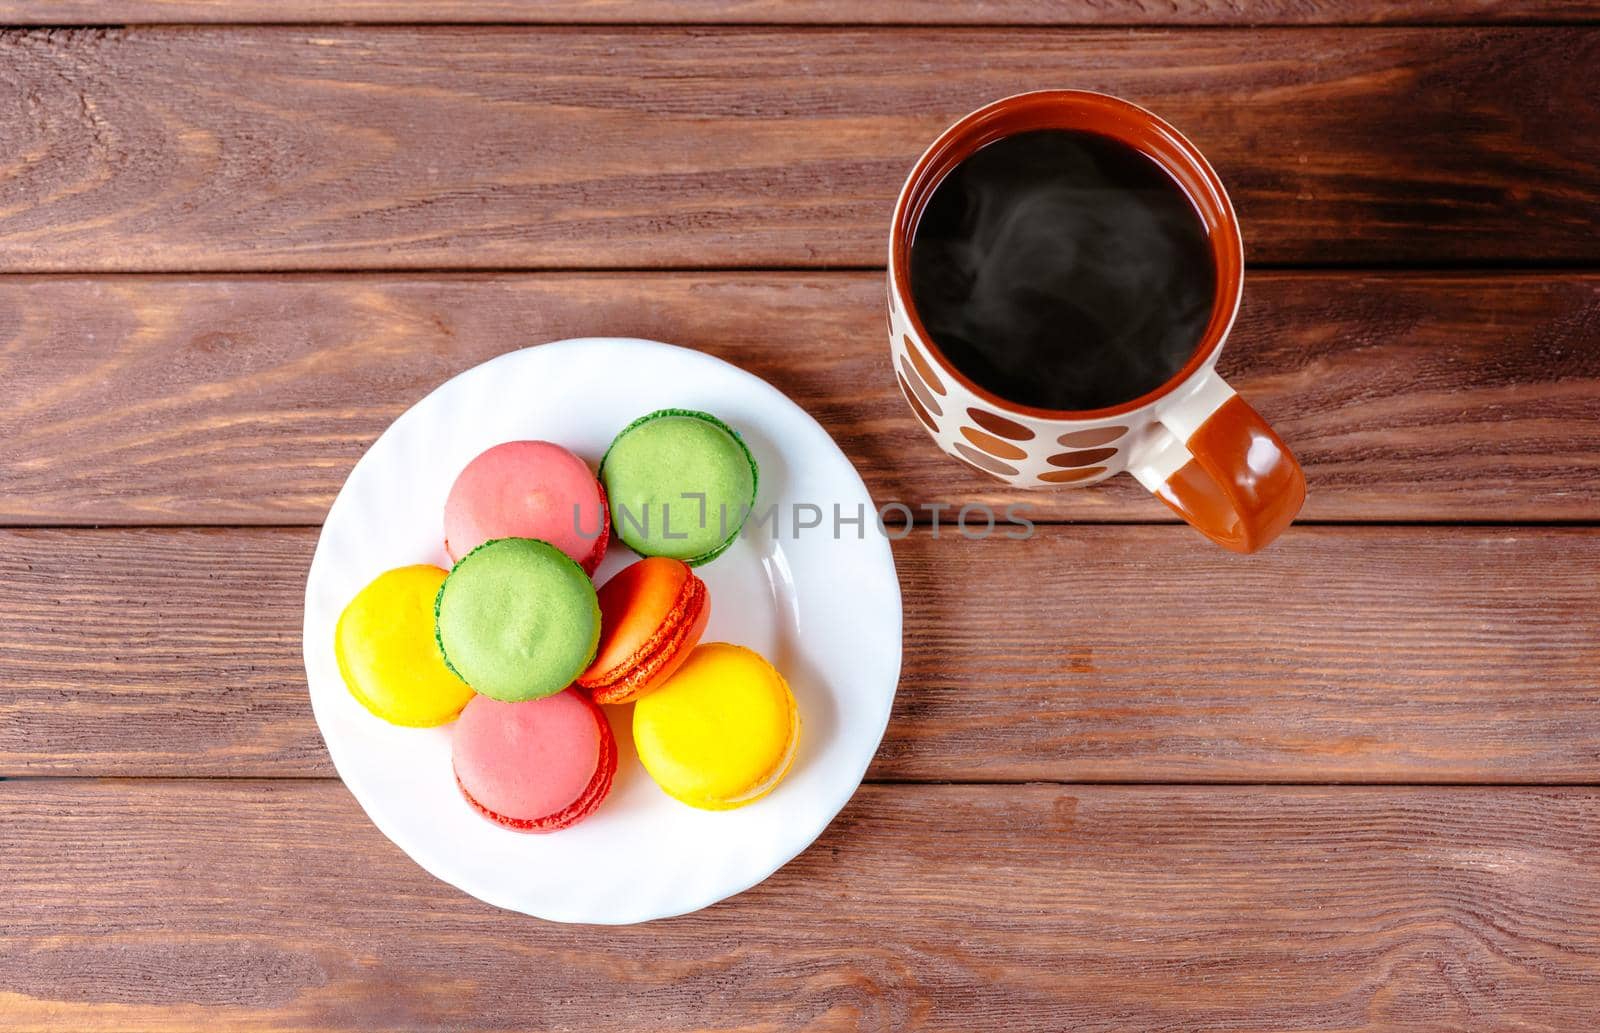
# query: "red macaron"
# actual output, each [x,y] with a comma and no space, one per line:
[534,766]
[652,613]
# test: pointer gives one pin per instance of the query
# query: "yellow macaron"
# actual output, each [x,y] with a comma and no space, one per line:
[721,732]
[389,654]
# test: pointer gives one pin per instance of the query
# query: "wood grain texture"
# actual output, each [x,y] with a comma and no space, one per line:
[341,148]
[161,400]
[1083,654]
[276,906]
[800,12]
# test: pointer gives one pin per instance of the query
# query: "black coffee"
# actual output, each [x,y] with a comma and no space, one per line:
[1062,270]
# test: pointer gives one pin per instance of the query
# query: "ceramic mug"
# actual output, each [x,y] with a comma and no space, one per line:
[1198,446]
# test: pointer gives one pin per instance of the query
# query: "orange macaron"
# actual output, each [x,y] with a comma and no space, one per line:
[652,613]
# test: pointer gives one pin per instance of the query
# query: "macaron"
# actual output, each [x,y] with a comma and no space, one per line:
[536,766]
[388,655]
[528,489]
[652,613]
[680,484]
[721,733]
[518,619]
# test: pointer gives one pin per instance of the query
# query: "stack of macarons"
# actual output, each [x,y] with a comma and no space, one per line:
[517,645]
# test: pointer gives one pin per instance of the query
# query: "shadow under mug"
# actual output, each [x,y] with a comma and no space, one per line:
[1198,446]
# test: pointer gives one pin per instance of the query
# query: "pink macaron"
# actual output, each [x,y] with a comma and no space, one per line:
[529,489]
[536,766]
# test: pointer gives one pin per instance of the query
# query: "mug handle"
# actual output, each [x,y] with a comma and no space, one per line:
[1214,461]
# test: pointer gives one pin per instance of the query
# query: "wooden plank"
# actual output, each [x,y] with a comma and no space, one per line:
[276,906]
[155,400]
[1396,654]
[339,148]
[795,12]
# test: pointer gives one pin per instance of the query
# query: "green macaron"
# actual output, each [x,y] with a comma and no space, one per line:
[680,483]
[517,619]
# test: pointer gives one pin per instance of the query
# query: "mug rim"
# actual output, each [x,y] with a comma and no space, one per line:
[1125,122]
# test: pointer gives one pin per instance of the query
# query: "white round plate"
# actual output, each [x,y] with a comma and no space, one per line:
[824,609]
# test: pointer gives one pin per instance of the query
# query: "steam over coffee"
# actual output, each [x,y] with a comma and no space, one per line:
[1063,270]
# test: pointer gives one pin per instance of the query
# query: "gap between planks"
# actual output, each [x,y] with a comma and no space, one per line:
[1576,20]
[946,526]
[908,783]
[1435,267]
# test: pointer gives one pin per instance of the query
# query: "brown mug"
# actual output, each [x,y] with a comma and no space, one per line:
[1192,441]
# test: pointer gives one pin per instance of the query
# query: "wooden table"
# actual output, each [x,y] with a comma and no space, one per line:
[1132,782]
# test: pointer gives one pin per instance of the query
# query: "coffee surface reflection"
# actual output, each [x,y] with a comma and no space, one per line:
[1062,269]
